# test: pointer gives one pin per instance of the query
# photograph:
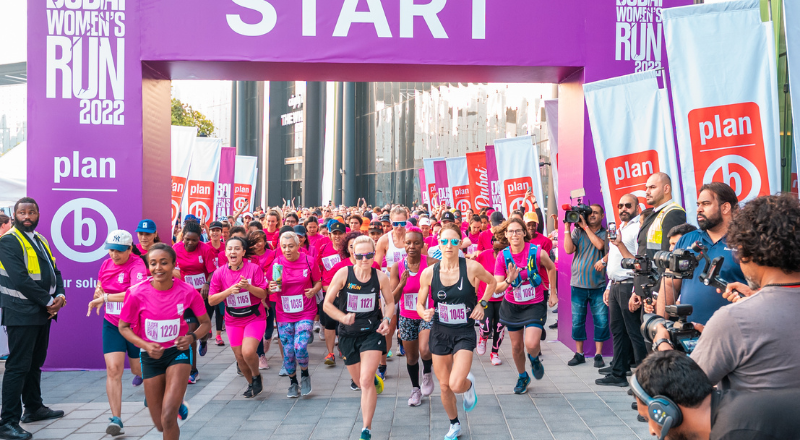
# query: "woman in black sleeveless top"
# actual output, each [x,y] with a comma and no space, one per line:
[362,325]
[451,283]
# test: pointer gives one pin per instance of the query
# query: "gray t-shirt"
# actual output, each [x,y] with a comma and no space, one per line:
[751,345]
[583,260]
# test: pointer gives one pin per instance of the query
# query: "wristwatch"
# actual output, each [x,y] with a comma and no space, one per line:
[661,341]
[484,304]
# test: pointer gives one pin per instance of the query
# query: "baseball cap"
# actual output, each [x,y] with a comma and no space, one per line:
[119,240]
[300,230]
[215,225]
[376,225]
[337,227]
[448,216]
[191,218]
[424,221]
[385,218]
[530,217]
[248,214]
[148,226]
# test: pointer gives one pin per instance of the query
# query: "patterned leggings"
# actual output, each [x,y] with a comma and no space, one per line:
[491,326]
[294,338]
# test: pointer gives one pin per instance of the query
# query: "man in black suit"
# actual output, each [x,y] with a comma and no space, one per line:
[31,294]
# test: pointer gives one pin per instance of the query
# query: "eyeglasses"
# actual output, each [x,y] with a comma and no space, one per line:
[367,256]
[625,205]
[453,241]
[401,224]
[514,231]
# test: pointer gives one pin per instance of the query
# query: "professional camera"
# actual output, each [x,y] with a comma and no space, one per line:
[573,214]
[681,262]
[682,334]
[645,277]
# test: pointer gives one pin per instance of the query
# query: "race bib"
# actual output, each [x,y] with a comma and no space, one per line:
[498,294]
[410,301]
[238,300]
[113,308]
[452,313]
[471,249]
[360,303]
[195,281]
[162,331]
[292,303]
[330,261]
[524,293]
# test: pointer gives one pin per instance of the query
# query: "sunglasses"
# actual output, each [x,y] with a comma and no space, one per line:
[625,205]
[401,224]
[453,241]
[367,256]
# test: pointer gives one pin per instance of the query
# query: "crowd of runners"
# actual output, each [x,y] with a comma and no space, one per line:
[358,277]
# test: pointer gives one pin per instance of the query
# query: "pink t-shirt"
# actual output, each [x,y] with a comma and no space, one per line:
[474,239]
[197,265]
[157,315]
[224,278]
[291,303]
[316,240]
[117,279]
[219,254]
[431,241]
[272,238]
[265,261]
[524,293]
[546,245]
[328,258]
[408,300]
[485,240]
[487,260]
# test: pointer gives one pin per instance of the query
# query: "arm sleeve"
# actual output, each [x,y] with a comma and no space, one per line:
[12,257]
[672,219]
[719,349]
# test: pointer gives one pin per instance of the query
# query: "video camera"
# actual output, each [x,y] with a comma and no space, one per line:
[682,334]
[573,214]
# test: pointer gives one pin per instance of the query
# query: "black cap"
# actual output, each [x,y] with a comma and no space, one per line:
[338,227]
[376,225]
[215,225]
[300,230]
[385,218]
[496,218]
[285,229]
[448,216]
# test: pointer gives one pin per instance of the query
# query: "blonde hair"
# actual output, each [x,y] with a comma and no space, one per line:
[363,239]
[291,236]
[399,210]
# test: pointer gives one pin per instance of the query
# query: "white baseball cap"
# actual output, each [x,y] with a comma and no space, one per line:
[119,240]
[424,221]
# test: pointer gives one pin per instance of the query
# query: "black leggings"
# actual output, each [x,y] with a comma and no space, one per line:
[219,317]
[491,326]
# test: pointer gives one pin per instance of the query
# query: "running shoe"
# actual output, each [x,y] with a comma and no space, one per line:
[454,432]
[248,393]
[322,335]
[294,390]
[378,384]
[330,359]
[203,348]
[262,362]
[183,411]
[536,367]
[416,397]
[137,380]
[114,427]
[353,385]
[427,384]
[576,360]
[283,372]
[481,348]
[365,434]
[402,351]
[193,377]
[389,354]
[305,385]
[257,386]
[496,359]
[238,370]
[470,397]
[380,374]
[522,384]
[220,341]
[317,327]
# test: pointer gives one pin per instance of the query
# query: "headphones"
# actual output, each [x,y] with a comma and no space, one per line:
[661,410]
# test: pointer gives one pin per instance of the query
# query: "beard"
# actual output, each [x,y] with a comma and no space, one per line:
[752,284]
[625,216]
[21,227]
[706,223]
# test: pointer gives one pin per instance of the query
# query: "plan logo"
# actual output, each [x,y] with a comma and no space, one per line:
[515,190]
[628,174]
[461,200]
[241,195]
[178,187]
[87,239]
[201,199]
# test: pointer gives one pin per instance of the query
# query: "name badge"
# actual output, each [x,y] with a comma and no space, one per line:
[410,301]
[360,303]
[292,303]
[524,293]
[452,313]
[113,308]
[238,300]
[195,281]
[162,331]
[330,261]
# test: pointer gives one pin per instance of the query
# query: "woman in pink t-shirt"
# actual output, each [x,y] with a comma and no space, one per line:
[491,327]
[122,270]
[241,285]
[259,254]
[524,310]
[296,307]
[153,319]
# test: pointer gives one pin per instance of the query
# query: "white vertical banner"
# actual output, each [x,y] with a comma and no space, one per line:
[791,17]
[181,148]
[203,177]
[518,171]
[725,96]
[244,182]
[458,179]
[430,179]
[632,135]
[551,112]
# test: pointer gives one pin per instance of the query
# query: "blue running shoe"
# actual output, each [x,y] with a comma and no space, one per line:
[365,434]
[183,411]
[454,432]
[203,348]
[114,427]
[536,367]
[137,380]
[522,384]
[470,398]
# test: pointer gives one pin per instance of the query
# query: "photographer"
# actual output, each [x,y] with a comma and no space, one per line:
[679,402]
[716,205]
[751,345]
[587,242]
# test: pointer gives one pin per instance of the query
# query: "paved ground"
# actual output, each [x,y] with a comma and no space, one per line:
[565,404]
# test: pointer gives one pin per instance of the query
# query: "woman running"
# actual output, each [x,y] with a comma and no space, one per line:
[455,309]
[296,279]
[195,265]
[390,250]
[523,310]
[413,330]
[156,310]
[491,327]
[363,327]
[117,274]
[241,285]
[147,234]
[217,247]
[329,256]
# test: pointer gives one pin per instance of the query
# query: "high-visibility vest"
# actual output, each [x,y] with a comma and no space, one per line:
[29,255]
[655,234]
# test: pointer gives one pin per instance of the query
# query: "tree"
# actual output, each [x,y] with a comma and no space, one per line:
[183,114]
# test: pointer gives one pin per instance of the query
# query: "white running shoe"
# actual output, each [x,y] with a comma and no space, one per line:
[470,398]
[262,363]
[322,334]
[496,359]
[416,397]
[317,327]
[481,349]
[454,432]
[427,384]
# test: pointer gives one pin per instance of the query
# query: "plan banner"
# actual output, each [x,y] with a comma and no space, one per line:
[480,193]
[444,193]
[203,178]
[182,146]
[518,171]
[494,182]
[244,182]
[458,180]
[224,194]
[430,179]
[423,189]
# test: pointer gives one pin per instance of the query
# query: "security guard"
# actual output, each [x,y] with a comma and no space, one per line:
[31,294]
[666,214]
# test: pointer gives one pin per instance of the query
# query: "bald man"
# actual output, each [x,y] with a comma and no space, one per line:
[666,214]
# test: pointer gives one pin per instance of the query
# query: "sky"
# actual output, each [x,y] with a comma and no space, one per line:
[13,31]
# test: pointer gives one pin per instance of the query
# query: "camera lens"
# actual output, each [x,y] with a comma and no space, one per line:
[649,326]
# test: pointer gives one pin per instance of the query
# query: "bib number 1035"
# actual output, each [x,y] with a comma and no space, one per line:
[102,112]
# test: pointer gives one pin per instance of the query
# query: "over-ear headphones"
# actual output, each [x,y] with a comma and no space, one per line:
[661,410]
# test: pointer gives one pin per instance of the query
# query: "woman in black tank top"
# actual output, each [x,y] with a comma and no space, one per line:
[451,283]
[362,299]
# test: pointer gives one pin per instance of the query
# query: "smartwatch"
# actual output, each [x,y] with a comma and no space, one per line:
[484,304]
[661,341]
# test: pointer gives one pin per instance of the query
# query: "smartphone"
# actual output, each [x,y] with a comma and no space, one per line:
[612,231]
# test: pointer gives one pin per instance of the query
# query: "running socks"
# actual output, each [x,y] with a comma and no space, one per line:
[413,373]
[523,375]
[382,369]
[303,373]
[293,379]
[426,366]
[454,421]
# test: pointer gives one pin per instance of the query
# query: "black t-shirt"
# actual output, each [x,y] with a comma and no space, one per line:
[363,299]
[763,415]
